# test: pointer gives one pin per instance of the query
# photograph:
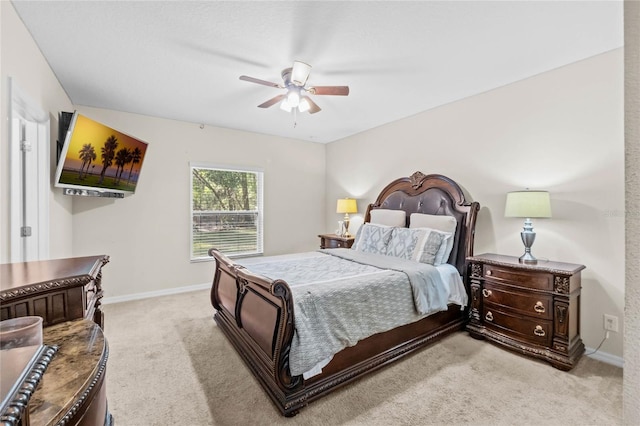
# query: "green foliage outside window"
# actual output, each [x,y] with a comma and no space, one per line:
[226,207]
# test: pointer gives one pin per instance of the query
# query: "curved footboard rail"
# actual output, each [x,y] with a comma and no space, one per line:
[256,314]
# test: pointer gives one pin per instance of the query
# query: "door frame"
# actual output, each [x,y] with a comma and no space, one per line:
[22,107]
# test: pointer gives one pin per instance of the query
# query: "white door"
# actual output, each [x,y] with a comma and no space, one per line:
[30,187]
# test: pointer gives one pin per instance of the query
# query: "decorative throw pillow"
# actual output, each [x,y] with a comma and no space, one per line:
[443,223]
[403,242]
[389,217]
[372,238]
[419,244]
[442,256]
[428,248]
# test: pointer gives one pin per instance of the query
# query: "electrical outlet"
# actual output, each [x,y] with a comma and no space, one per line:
[611,323]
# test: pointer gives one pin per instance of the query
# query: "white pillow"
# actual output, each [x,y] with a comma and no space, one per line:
[434,221]
[443,223]
[419,244]
[372,238]
[389,217]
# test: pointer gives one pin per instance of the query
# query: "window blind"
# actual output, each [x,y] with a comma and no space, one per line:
[226,211]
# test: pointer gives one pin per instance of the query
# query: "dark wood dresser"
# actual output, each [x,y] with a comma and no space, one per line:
[73,389]
[57,290]
[335,241]
[531,309]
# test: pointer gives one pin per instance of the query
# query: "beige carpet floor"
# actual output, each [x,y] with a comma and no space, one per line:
[169,364]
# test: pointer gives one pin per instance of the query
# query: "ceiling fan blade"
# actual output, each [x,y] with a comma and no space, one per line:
[271,101]
[300,73]
[258,81]
[329,90]
[313,107]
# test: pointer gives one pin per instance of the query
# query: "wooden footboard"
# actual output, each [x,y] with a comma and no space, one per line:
[256,314]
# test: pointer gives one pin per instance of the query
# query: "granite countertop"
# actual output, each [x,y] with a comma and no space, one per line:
[78,365]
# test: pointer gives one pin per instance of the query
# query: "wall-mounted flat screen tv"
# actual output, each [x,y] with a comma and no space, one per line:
[98,159]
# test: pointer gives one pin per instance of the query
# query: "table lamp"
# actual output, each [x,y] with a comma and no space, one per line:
[346,206]
[528,204]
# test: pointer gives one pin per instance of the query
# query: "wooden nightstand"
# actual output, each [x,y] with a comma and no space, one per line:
[335,241]
[532,309]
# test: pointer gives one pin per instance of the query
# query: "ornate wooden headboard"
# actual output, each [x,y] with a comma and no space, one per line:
[438,195]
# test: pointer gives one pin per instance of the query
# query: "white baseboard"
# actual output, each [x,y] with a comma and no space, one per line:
[605,357]
[166,292]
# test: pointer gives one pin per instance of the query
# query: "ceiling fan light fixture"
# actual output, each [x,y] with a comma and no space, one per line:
[293,97]
[285,105]
[304,105]
[300,73]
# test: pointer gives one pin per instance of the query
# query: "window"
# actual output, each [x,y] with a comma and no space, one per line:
[226,211]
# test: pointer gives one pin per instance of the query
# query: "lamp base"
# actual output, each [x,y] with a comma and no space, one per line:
[345,231]
[528,237]
[528,259]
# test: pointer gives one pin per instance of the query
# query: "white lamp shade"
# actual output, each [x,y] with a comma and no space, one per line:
[304,105]
[300,73]
[528,204]
[284,105]
[347,205]
[293,97]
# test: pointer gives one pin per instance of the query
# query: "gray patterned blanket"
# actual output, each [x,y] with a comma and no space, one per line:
[342,296]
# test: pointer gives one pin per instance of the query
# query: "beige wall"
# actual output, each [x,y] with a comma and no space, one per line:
[631,384]
[22,61]
[147,234]
[561,131]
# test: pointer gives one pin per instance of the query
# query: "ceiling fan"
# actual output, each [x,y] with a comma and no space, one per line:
[295,80]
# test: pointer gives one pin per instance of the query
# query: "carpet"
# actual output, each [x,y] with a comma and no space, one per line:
[170,364]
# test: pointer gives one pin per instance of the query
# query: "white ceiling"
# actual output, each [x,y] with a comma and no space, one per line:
[181,60]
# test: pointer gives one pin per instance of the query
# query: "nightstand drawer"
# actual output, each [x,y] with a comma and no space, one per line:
[329,241]
[533,330]
[337,244]
[523,303]
[522,278]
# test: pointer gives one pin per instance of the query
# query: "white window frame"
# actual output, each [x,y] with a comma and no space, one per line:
[260,196]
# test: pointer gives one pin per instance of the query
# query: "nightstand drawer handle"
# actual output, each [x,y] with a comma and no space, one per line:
[489,316]
[539,331]
[489,272]
[539,307]
[486,293]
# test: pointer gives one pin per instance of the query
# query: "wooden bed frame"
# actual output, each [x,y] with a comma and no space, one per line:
[256,313]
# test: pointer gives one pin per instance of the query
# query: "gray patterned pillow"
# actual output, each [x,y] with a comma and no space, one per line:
[445,249]
[372,238]
[429,246]
[419,244]
[403,242]
[440,223]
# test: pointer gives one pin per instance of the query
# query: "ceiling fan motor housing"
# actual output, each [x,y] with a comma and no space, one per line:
[286,76]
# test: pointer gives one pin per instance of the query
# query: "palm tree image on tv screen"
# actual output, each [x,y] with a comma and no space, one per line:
[98,156]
